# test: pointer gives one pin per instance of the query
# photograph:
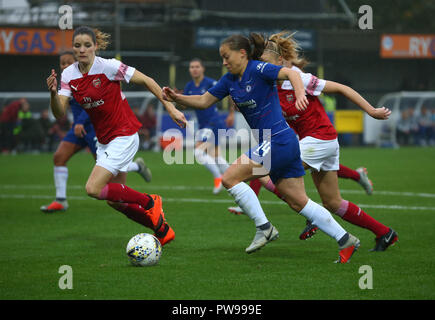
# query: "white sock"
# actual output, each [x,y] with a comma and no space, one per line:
[222,164]
[207,161]
[246,198]
[60,180]
[133,167]
[323,219]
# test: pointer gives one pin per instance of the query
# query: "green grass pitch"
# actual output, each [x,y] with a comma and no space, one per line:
[207,259]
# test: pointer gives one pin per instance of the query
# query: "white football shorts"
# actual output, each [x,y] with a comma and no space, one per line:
[321,155]
[117,155]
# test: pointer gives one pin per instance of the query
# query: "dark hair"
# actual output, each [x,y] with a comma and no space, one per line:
[254,45]
[99,38]
[65,52]
[197,60]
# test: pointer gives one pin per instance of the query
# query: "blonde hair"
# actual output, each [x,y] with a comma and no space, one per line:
[285,45]
[102,39]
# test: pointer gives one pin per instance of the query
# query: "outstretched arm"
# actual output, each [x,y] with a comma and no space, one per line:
[377,113]
[194,101]
[149,83]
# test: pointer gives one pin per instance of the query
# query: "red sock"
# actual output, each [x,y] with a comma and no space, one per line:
[348,173]
[272,188]
[355,215]
[118,192]
[136,213]
[255,185]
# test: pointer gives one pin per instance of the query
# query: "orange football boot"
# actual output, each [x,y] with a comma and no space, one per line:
[162,230]
[55,206]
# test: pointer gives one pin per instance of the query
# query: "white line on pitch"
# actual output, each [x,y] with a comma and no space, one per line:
[228,201]
[181,187]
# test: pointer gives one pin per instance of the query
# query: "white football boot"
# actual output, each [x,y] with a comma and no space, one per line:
[262,237]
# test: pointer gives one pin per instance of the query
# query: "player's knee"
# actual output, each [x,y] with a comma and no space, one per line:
[296,203]
[228,181]
[332,205]
[59,159]
[93,191]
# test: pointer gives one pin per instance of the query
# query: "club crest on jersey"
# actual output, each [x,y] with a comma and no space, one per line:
[96,83]
[290,98]
[248,88]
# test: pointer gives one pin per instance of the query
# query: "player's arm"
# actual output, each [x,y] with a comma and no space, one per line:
[231,113]
[194,101]
[58,103]
[149,83]
[298,86]
[377,113]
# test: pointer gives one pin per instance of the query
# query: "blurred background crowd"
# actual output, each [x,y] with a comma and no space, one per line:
[376,47]
[23,130]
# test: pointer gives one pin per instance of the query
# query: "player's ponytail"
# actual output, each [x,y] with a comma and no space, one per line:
[286,46]
[258,43]
[102,39]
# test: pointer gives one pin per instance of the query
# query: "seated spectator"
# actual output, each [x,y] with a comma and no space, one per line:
[58,131]
[24,128]
[413,126]
[8,121]
[403,128]
[424,126]
[45,124]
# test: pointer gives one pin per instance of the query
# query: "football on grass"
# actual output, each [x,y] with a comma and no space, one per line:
[144,249]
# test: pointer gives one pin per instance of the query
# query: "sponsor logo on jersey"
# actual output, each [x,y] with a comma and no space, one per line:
[290,118]
[96,83]
[249,104]
[93,104]
[248,88]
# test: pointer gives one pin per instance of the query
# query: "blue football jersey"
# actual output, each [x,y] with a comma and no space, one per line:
[205,116]
[256,97]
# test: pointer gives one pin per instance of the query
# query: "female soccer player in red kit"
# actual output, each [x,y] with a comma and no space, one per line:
[94,83]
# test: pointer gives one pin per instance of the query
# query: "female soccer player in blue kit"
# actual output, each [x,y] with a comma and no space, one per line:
[251,85]
[207,151]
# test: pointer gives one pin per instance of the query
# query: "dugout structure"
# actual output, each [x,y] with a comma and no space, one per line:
[383,133]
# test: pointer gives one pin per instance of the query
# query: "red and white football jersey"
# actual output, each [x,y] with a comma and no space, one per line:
[313,121]
[99,93]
